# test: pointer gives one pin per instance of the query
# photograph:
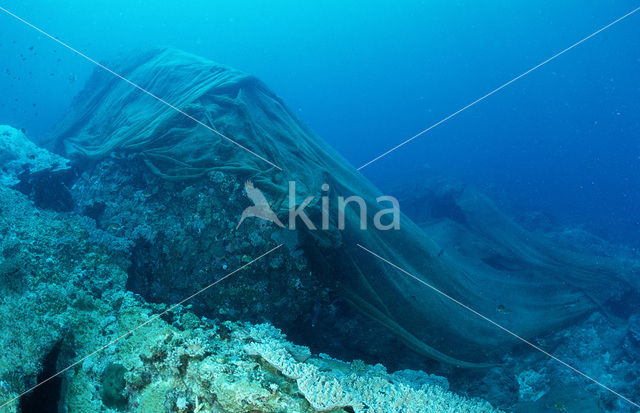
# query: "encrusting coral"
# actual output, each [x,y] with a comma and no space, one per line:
[330,384]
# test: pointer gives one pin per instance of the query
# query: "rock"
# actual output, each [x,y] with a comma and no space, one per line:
[19,155]
[533,384]
[34,171]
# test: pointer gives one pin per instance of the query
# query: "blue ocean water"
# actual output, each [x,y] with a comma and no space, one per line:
[564,140]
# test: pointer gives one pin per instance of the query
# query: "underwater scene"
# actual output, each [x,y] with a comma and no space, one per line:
[319,206]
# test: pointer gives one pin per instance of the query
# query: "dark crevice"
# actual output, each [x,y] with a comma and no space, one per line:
[95,210]
[48,189]
[140,271]
[45,397]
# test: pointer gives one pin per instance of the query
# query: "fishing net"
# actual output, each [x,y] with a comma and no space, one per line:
[476,255]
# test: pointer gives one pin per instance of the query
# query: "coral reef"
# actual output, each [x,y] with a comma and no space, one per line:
[330,384]
[65,302]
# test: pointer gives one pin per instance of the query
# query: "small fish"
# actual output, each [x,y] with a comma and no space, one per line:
[502,309]
[560,406]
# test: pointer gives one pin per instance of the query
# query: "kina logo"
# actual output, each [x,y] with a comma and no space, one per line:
[260,208]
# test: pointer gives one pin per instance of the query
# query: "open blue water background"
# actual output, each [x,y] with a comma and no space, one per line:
[565,140]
